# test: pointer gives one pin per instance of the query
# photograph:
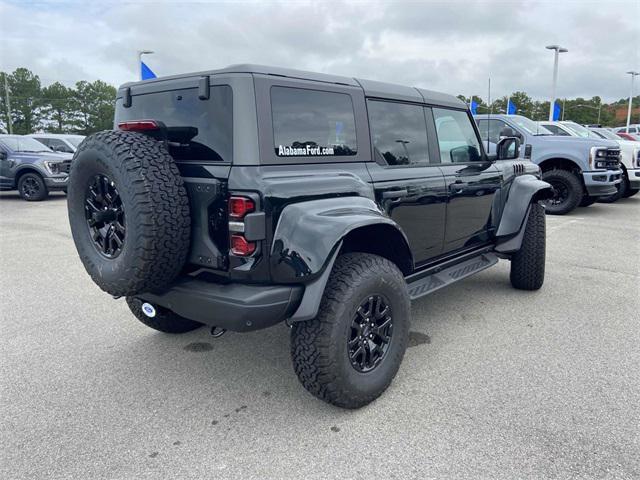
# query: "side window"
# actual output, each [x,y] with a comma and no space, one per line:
[556,130]
[312,123]
[59,146]
[495,127]
[456,136]
[44,141]
[399,133]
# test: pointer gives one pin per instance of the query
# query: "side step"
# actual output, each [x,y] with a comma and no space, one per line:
[448,275]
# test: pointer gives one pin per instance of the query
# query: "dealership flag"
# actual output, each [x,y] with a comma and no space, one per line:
[511,108]
[474,107]
[556,111]
[145,72]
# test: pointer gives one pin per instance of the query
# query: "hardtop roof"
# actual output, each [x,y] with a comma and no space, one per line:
[371,88]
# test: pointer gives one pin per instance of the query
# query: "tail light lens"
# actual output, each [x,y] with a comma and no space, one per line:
[240,206]
[139,125]
[241,247]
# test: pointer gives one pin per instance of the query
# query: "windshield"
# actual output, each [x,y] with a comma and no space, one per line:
[579,130]
[75,141]
[24,144]
[529,125]
[604,133]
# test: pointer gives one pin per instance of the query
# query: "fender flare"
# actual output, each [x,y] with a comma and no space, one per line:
[524,190]
[308,239]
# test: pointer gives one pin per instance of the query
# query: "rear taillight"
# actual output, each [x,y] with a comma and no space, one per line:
[241,246]
[239,207]
[139,125]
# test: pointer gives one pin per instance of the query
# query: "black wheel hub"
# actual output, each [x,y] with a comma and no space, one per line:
[560,192]
[30,187]
[370,333]
[105,216]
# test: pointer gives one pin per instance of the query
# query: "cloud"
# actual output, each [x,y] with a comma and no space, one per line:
[448,46]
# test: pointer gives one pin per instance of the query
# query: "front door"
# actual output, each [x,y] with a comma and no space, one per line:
[472,181]
[407,181]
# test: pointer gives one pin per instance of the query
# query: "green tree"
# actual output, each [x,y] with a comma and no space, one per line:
[94,106]
[25,92]
[57,107]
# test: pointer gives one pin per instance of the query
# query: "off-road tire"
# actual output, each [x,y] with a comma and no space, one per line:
[164,321]
[574,186]
[587,201]
[42,191]
[156,211]
[319,346]
[527,264]
[622,190]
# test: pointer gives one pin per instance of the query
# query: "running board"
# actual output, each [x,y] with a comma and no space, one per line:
[439,279]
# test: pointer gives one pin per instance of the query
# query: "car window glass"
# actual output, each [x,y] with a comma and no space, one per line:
[312,123]
[456,136]
[557,130]
[398,132]
[59,146]
[495,127]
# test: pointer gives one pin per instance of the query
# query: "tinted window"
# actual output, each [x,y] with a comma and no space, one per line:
[59,146]
[456,136]
[44,141]
[556,130]
[399,133]
[197,129]
[495,128]
[312,123]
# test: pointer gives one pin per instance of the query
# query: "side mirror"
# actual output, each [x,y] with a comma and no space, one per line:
[508,148]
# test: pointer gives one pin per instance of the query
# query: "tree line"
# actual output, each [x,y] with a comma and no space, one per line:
[580,110]
[88,107]
[85,108]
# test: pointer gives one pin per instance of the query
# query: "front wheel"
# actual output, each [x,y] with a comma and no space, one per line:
[32,188]
[567,188]
[621,192]
[349,354]
[527,264]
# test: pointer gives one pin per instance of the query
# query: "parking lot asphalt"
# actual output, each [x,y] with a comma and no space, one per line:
[497,383]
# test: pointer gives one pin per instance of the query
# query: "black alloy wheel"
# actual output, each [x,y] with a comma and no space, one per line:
[560,192]
[105,216]
[370,335]
[30,187]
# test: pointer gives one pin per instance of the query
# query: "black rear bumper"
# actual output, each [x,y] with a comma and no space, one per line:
[236,307]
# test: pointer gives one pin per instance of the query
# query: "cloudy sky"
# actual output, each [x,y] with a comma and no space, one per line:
[449,46]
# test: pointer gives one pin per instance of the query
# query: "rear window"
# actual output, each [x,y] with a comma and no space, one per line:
[199,130]
[312,123]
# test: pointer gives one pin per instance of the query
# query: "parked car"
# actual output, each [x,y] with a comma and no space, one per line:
[580,169]
[568,128]
[31,168]
[627,136]
[630,160]
[59,142]
[634,130]
[247,196]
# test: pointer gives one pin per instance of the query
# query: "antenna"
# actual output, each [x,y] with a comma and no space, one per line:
[489,117]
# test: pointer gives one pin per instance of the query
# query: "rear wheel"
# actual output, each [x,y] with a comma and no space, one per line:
[631,192]
[32,188]
[568,191]
[160,318]
[527,264]
[349,354]
[621,191]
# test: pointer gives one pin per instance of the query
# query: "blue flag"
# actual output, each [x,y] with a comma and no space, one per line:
[145,72]
[511,108]
[556,111]
[474,107]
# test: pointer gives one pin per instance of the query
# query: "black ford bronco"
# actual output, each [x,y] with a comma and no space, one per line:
[248,196]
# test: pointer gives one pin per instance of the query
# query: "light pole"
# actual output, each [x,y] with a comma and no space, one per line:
[633,75]
[140,53]
[558,50]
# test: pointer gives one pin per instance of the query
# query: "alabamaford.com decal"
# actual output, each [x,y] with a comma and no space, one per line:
[307,150]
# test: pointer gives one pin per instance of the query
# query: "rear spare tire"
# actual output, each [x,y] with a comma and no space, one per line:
[129,212]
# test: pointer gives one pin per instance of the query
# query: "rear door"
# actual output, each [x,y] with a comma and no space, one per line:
[406,178]
[472,181]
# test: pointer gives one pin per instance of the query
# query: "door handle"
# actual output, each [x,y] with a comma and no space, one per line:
[390,194]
